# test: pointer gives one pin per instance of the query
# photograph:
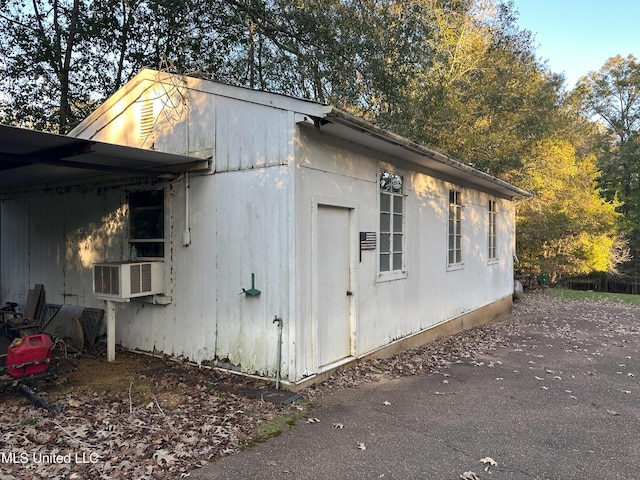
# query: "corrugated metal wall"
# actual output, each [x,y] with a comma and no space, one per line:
[54,239]
[430,293]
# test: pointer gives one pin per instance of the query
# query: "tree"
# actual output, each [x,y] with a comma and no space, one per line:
[53,38]
[481,96]
[567,228]
[612,96]
[80,52]
[458,75]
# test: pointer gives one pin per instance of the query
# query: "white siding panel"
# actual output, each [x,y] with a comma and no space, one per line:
[185,327]
[239,225]
[195,276]
[202,125]
[14,264]
[250,136]
[430,293]
[339,174]
[252,237]
[54,240]
[50,247]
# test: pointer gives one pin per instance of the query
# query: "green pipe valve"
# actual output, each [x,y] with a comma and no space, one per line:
[253,291]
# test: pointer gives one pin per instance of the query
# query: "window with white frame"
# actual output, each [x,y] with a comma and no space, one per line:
[391,221]
[493,251]
[455,227]
[146,224]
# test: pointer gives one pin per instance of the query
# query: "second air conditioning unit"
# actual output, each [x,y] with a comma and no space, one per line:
[125,280]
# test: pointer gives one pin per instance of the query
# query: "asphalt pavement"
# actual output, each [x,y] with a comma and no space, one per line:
[558,400]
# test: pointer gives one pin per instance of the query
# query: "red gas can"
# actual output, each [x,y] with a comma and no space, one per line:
[34,348]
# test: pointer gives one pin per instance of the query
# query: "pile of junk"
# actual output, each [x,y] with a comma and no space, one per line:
[43,342]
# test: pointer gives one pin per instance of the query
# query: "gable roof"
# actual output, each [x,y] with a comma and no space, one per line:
[36,157]
[329,119]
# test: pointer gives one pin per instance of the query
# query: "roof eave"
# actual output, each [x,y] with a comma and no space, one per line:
[335,115]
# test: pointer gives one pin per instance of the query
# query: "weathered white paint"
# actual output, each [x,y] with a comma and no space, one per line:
[279,200]
[110,314]
[332,280]
[429,293]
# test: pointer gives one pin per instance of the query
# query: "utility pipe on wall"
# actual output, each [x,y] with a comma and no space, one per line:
[186,235]
[278,320]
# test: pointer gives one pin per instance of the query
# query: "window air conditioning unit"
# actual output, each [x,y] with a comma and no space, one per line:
[125,280]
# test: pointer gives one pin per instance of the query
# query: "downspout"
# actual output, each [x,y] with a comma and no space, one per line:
[186,235]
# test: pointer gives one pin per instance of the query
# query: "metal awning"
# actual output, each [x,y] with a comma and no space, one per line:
[30,158]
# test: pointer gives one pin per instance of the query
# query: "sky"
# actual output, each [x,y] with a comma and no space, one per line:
[576,37]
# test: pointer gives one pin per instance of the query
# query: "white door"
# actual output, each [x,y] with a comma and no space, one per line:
[333,265]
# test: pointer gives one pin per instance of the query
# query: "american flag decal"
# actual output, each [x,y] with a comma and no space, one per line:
[367,240]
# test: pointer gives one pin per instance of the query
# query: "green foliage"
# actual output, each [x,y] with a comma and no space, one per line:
[612,95]
[485,99]
[39,92]
[567,228]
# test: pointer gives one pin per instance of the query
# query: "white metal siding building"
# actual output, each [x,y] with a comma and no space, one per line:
[361,241]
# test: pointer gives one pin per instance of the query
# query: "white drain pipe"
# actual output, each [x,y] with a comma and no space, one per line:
[186,235]
[111,331]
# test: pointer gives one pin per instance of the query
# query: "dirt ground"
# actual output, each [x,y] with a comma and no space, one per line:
[146,417]
[138,417]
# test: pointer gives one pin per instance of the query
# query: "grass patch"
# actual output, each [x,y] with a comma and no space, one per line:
[594,296]
[277,425]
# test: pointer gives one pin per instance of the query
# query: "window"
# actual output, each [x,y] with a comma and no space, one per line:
[391,221]
[493,253]
[455,227]
[146,223]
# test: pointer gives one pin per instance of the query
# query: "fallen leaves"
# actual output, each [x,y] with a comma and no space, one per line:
[164,457]
[132,433]
[488,463]
[469,476]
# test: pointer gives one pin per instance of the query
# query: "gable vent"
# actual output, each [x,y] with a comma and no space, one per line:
[147,120]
